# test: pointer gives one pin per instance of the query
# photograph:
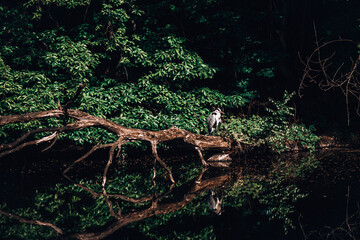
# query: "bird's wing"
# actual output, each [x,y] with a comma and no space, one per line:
[211,121]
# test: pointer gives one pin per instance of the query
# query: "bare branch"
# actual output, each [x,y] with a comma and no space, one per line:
[318,69]
[93,149]
[201,156]
[85,120]
[92,192]
[37,222]
[77,93]
[111,156]
[52,144]
[35,142]
[23,138]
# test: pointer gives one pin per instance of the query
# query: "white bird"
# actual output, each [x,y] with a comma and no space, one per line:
[214,120]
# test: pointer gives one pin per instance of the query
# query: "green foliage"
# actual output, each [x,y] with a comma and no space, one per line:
[275,130]
[140,73]
[59,3]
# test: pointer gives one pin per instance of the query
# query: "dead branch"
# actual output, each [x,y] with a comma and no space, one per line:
[37,222]
[93,149]
[52,144]
[35,142]
[85,120]
[77,93]
[201,156]
[321,71]
[22,138]
[111,156]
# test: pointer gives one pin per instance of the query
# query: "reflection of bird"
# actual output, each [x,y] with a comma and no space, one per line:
[214,120]
[214,203]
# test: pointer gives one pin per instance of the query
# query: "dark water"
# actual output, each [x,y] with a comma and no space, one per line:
[325,187]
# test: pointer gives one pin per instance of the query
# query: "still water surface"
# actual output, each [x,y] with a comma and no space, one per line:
[292,196]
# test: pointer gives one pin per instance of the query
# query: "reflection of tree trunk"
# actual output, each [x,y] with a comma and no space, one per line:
[181,196]
[198,187]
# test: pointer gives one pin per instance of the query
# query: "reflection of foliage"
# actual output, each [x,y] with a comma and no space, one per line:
[182,222]
[289,170]
[274,130]
[274,194]
[64,205]
[73,209]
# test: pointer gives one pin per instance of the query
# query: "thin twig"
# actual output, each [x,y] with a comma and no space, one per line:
[347,209]
[93,149]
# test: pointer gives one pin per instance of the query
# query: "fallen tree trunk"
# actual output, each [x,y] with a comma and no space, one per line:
[85,120]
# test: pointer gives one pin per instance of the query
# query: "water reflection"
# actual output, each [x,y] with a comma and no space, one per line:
[292,191]
[180,197]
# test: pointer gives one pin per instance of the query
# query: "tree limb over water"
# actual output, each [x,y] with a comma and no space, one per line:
[84,120]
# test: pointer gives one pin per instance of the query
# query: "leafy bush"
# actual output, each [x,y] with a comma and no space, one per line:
[274,131]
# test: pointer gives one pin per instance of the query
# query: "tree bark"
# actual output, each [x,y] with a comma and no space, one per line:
[84,120]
